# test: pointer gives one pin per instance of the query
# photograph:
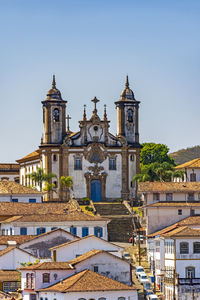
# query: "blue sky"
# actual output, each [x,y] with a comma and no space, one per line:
[91,46]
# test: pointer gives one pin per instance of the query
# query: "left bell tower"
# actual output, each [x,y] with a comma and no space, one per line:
[54,117]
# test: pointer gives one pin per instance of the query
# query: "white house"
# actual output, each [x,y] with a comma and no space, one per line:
[191,169]
[12,257]
[9,171]
[37,218]
[43,281]
[177,259]
[104,263]
[11,191]
[71,250]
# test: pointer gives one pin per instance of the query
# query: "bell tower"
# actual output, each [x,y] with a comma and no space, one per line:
[54,116]
[127,115]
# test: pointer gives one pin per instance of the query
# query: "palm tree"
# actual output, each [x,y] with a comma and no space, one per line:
[40,176]
[66,182]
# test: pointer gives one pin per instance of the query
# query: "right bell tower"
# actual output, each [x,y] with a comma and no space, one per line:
[127,115]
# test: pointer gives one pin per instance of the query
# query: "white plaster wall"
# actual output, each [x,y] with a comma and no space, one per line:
[12,259]
[182,264]
[25,199]
[114,178]
[109,295]
[109,266]
[176,197]
[70,251]
[9,176]
[190,255]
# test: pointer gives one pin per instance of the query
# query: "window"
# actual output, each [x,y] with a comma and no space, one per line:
[112,163]
[54,255]
[73,230]
[121,298]
[196,247]
[32,200]
[190,272]
[23,231]
[96,269]
[41,298]
[102,298]
[77,163]
[55,184]
[46,278]
[46,298]
[11,231]
[190,196]
[11,286]
[53,228]
[81,299]
[85,231]
[132,157]
[130,115]
[192,212]
[41,230]
[14,200]
[184,248]
[98,231]
[179,211]
[193,177]
[54,157]
[156,196]
[56,115]
[169,197]
[132,184]
[3,232]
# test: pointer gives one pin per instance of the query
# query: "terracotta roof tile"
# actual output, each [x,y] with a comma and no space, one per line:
[195,163]
[9,276]
[9,167]
[51,265]
[11,187]
[33,155]
[6,250]
[174,204]
[19,239]
[152,187]
[88,281]
[84,256]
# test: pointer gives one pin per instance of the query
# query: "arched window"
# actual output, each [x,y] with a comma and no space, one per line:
[130,115]
[190,272]
[102,298]
[56,115]
[184,248]
[121,298]
[196,247]
[81,299]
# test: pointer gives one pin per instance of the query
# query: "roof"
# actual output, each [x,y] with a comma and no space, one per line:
[11,187]
[11,248]
[50,265]
[88,281]
[9,167]
[174,204]
[84,238]
[186,222]
[19,239]
[183,231]
[195,163]
[152,187]
[31,156]
[9,276]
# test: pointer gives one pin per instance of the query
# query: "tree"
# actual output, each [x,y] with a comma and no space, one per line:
[40,176]
[66,182]
[152,152]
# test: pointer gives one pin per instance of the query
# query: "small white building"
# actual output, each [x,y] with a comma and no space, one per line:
[9,171]
[191,169]
[12,257]
[104,263]
[73,249]
[11,191]
[176,258]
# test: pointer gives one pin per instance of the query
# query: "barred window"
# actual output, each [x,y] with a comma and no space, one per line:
[184,248]
[77,163]
[112,163]
[196,247]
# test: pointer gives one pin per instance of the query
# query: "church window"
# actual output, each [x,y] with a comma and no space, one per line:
[112,163]
[14,200]
[41,230]
[98,231]
[130,115]
[85,231]
[77,163]
[23,231]
[73,230]
[184,248]
[132,184]
[55,184]
[54,157]
[32,200]
[132,157]
[46,277]
[193,177]
[56,115]
[95,158]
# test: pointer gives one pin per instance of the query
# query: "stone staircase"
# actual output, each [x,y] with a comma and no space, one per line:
[120,227]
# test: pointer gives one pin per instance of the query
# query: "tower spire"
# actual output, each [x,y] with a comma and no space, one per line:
[127,82]
[84,113]
[105,113]
[54,82]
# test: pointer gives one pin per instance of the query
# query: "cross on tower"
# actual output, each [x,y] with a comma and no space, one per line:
[95,101]
[68,118]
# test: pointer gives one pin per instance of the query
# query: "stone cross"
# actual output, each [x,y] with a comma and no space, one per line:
[68,118]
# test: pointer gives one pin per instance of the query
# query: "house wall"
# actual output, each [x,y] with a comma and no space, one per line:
[176,197]
[109,266]
[70,251]
[14,258]
[21,198]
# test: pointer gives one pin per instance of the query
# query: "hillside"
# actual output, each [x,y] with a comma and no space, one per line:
[184,155]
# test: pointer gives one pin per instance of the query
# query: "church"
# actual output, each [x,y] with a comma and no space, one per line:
[101,164]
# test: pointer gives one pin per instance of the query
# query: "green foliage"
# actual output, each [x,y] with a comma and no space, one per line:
[85,199]
[185,155]
[151,153]
[89,208]
[49,187]
[66,182]
[30,263]
[40,176]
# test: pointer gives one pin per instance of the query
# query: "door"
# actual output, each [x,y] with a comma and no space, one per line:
[96,190]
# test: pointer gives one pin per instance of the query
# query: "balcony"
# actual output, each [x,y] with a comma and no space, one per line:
[188,281]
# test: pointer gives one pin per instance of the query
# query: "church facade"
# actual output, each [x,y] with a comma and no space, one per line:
[101,164]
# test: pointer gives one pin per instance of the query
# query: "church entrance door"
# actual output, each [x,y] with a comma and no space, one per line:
[96,190]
